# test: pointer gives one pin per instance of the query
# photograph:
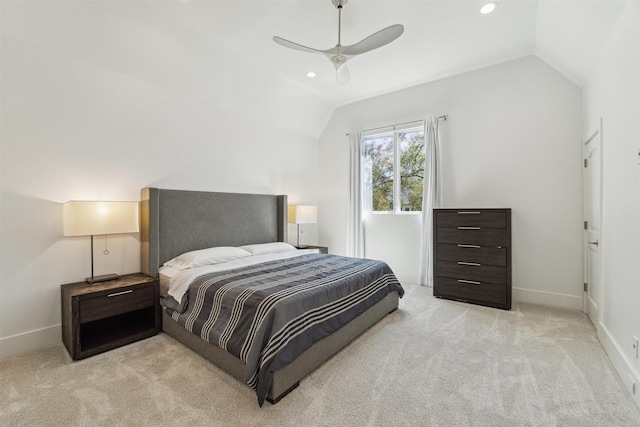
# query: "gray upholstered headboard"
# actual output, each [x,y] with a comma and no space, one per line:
[176,221]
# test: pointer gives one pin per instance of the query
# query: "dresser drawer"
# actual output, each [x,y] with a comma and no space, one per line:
[466,235]
[490,255]
[472,218]
[485,293]
[119,301]
[475,273]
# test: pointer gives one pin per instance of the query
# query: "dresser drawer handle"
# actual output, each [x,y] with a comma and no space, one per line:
[473,264]
[468,213]
[120,293]
[469,246]
[469,228]
[470,282]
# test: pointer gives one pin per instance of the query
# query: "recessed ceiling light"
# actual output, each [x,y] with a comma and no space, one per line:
[488,7]
[311,74]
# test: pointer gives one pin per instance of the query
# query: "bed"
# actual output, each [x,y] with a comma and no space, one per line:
[174,222]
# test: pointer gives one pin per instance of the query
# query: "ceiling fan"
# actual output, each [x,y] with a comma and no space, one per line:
[338,55]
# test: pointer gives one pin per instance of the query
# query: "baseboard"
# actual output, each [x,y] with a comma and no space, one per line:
[547,298]
[30,341]
[628,374]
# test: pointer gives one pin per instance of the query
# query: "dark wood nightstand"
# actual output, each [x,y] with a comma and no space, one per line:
[321,249]
[102,316]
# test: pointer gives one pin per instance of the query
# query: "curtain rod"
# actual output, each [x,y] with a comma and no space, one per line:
[443,117]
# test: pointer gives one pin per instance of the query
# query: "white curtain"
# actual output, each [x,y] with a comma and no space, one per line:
[431,198]
[355,228]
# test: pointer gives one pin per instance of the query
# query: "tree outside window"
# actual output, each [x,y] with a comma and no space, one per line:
[393,170]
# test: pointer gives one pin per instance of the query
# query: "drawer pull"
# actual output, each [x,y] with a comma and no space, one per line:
[120,293]
[470,246]
[473,264]
[468,213]
[469,228]
[470,282]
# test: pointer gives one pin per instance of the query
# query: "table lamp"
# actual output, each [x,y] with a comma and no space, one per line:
[91,218]
[302,215]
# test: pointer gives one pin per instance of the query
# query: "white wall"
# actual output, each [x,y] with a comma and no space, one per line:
[613,93]
[102,99]
[389,236]
[513,139]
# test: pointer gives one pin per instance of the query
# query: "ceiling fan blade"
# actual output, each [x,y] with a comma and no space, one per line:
[338,55]
[343,75]
[296,46]
[374,41]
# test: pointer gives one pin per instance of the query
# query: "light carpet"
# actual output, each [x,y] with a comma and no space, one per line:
[431,363]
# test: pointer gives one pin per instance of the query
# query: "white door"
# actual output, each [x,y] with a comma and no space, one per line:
[592,180]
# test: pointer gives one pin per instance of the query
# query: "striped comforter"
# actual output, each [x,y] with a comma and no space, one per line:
[267,314]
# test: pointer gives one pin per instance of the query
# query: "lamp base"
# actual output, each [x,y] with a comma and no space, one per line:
[103,278]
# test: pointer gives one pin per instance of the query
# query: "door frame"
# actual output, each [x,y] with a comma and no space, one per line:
[595,136]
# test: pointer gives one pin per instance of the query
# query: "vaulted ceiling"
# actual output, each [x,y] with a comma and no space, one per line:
[221,52]
[442,37]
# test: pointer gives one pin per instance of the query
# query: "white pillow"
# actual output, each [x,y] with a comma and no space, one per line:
[207,256]
[268,248]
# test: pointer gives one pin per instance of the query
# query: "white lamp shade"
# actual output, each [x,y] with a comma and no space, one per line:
[302,214]
[89,218]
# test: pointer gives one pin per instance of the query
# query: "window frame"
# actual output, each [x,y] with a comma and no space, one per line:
[381,132]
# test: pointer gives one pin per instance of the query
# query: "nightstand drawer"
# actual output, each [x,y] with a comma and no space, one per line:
[115,302]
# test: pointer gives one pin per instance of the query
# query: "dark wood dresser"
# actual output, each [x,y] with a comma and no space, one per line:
[472,256]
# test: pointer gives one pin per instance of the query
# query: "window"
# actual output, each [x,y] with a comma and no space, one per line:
[393,170]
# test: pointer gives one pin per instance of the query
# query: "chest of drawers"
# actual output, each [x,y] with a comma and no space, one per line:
[472,256]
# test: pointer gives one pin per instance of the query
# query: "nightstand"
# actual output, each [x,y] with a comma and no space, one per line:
[321,249]
[102,316]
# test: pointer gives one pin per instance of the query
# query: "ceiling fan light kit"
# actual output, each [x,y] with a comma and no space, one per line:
[339,54]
